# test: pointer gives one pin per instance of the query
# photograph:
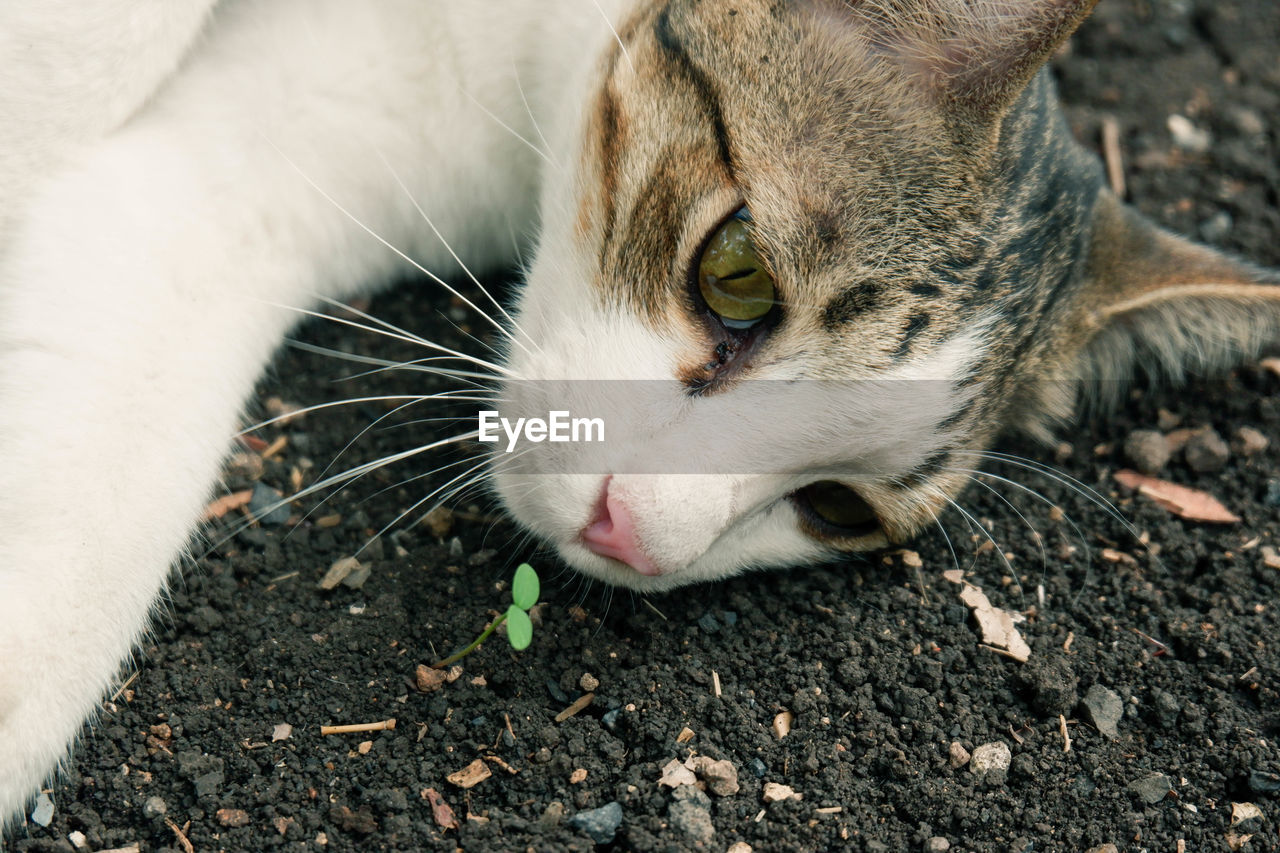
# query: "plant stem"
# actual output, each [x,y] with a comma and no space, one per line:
[454,658]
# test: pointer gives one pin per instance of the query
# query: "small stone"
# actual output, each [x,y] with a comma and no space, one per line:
[1247,121]
[1103,707]
[1167,420]
[709,623]
[154,807]
[455,548]
[1249,442]
[690,812]
[782,724]
[589,683]
[959,755]
[357,577]
[208,784]
[740,847]
[42,814]
[552,816]
[1261,782]
[758,768]
[338,572]
[776,793]
[232,817]
[577,776]
[1216,228]
[440,522]
[1147,450]
[1151,788]
[1272,497]
[990,757]
[720,777]
[600,824]
[78,840]
[1206,452]
[268,506]
[1104,848]
[1187,136]
[937,844]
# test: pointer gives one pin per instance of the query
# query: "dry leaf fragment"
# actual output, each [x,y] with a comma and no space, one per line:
[227,503]
[1191,504]
[444,816]
[471,775]
[686,735]
[427,679]
[997,625]
[1240,812]
[281,732]
[1270,558]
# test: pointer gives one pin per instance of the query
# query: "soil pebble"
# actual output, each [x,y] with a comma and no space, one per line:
[1051,683]
[1206,452]
[1249,442]
[1104,708]
[268,506]
[937,844]
[1151,788]
[1147,450]
[991,757]
[690,813]
[42,814]
[600,824]
[154,807]
[958,755]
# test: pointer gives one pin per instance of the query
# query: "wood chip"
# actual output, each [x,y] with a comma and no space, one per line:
[227,503]
[281,442]
[1111,155]
[1270,558]
[282,731]
[782,724]
[829,810]
[338,572]
[380,726]
[715,684]
[440,811]
[232,817]
[471,775]
[1191,504]
[1062,729]
[1111,555]
[686,735]
[576,708]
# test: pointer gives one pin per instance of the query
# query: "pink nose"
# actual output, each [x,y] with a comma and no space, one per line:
[611,533]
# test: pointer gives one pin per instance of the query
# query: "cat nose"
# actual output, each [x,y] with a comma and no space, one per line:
[612,533]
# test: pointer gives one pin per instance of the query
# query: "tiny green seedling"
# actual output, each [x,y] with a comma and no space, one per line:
[524,594]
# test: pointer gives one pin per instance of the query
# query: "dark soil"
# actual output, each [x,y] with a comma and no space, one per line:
[879,662]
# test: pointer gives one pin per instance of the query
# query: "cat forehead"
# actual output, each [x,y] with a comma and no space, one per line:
[704,106]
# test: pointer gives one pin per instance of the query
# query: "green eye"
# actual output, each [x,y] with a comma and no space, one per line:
[841,507]
[731,278]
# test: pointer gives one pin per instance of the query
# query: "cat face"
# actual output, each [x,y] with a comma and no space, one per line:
[804,263]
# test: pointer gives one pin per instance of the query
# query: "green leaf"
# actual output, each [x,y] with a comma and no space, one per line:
[524,589]
[519,628]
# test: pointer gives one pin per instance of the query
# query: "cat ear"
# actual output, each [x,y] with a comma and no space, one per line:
[974,56]
[1156,303]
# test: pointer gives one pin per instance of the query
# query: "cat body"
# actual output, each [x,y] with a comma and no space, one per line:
[178,179]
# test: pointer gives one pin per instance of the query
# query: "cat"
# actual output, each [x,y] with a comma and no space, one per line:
[880,197]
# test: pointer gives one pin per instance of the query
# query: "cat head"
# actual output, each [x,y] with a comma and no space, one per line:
[804,261]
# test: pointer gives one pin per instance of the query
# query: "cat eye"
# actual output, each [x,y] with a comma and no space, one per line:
[838,508]
[731,278]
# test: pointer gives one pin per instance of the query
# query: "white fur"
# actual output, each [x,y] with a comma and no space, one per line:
[160,176]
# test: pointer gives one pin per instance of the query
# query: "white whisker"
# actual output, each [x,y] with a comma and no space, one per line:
[509,129]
